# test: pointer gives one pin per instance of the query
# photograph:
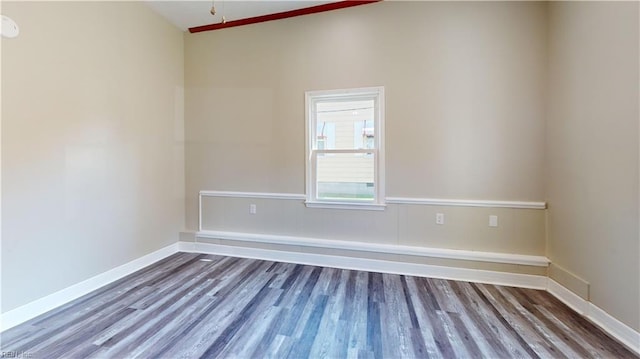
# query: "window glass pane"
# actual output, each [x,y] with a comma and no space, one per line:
[345,176]
[326,136]
[351,122]
[363,134]
[358,140]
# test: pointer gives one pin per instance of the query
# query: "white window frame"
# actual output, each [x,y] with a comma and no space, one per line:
[311,98]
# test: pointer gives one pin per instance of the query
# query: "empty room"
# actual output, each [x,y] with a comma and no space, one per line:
[320,179]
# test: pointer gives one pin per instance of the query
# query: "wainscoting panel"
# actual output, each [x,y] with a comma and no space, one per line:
[403,223]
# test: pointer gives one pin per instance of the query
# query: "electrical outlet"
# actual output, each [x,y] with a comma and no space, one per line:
[493,221]
[252,209]
[439,218]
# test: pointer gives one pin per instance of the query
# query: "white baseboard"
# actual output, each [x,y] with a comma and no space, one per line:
[478,256]
[604,320]
[373,265]
[616,328]
[567,297]
[40,306]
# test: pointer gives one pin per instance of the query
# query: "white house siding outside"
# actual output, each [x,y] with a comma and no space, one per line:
[345,125]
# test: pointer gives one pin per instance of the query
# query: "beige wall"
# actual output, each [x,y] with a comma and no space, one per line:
[464,86]
[92,143]
[592,151]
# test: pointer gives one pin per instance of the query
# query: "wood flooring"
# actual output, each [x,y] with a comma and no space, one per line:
[205,306]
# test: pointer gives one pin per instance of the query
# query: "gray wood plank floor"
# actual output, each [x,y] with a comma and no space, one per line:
[206,306]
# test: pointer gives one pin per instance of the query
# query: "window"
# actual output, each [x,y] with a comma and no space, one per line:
[345,156]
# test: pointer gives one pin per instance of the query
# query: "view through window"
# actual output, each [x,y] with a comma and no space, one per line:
[344,145]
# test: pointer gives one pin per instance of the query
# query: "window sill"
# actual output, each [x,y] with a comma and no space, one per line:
[346,205]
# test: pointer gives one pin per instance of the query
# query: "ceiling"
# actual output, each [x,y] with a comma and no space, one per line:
[188,14]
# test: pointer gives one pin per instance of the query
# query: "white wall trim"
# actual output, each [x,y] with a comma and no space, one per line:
[345,205]
[269,195]
[376,265]
[467,203]
[492,257]
[623,333]
[391,200]
[40,306]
